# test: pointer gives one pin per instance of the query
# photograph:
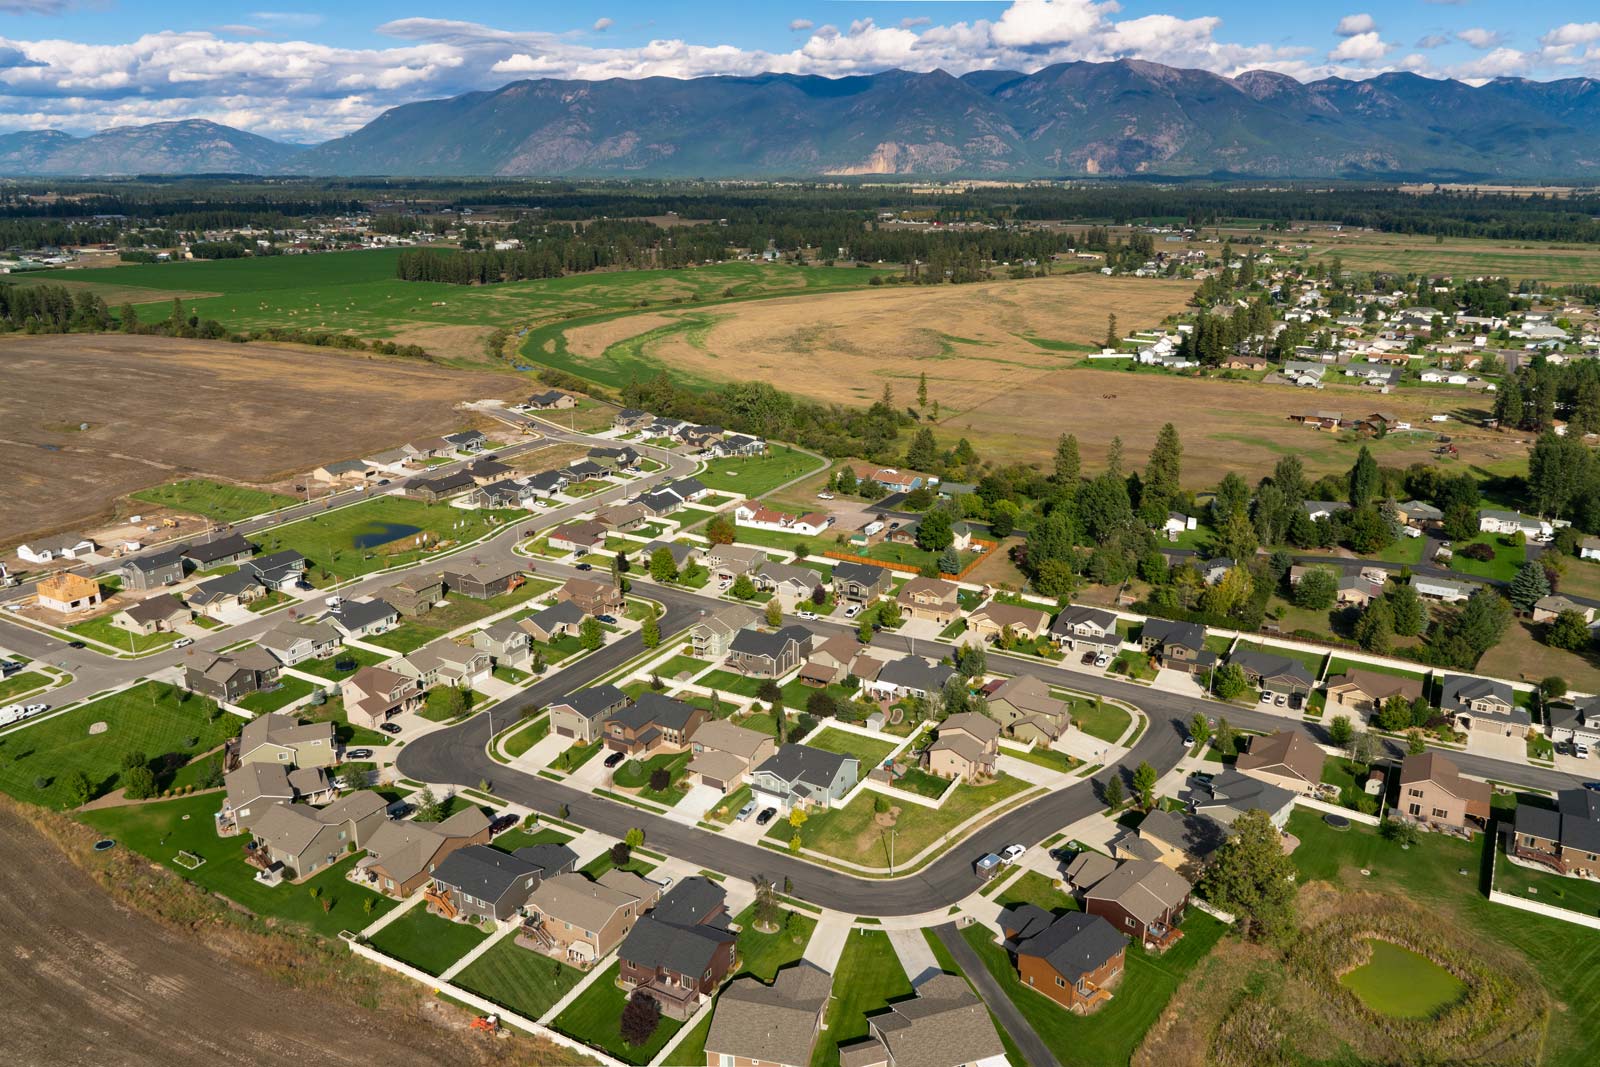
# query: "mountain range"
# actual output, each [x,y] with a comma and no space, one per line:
[1126,117]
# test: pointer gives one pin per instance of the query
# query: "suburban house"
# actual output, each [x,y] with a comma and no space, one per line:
[582,715]
[283,740]
[402,856]
[278,571]
[1074,959]
[1483,704]
[443,662]
[231,677]
[759,654]
[67,546]
[631,419]
[578,537]
[293,643]
[1229,794]
[945,1025]
[1589,548]
[551,400]
[483,881]
[1547,608]
[623,516]
[581,921]
[994,618]
[562,619]
[434,490]
[653,720]
[506,493]
[468,441]
[682,949]
[547,483]
[344,470]
[616,458]
[830,661]
[712,636]
[1566,840]
[362,618]
[805,777]
[681,554]
[787,581]
[214,596]
[724,753]
[252,788]
[654,505]
[1026,710]
[68,593]
[1273,674]
[909,676]
[303,840]
[594,597]
[858,583]
[1574,722]
[1177,645]
[374,695]
[728,562]
[1288,759]
[1142,899]
[152,571]
[930,599]
[162,612]
[896,481]
[1183,841]
[1491,520]
[760,1025]
[759,516]
[1088,626]
[483,581]
[1441,588]
[1364,691]
[966,747]
[1433,794]
[505,642]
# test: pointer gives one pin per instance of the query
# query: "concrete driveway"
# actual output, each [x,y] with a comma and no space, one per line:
[827,940]
[699,800]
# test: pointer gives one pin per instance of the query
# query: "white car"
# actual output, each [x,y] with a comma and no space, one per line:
[803,614]
[35,709]
[1103,659]
[1013,853]
[852,611]
[1580,749]
[13,607]
[183,642]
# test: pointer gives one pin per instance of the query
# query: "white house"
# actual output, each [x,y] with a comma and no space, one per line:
[71,546]
[1491,520]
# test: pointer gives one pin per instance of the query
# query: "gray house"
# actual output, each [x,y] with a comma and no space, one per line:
[582,715]
[505,641]
[483,881]
[219,552]
[802,776]
[758,654]
[153,571]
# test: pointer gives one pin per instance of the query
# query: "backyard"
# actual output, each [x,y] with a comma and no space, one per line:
[427,941]
[869,751]
[595,1017]
[751,476]
[519,979]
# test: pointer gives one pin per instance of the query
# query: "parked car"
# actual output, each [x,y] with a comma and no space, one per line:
[615,758]
[744,812]
[358,753]
[1102,659]
[1580,750]
[1266,698]
[9,666]
[1280,700]
[183,642]
[1089,657]
[609,620]
[804,614]
[766,816]
[852,611]
[502,824]
[390,727]
[586,566]
[35,709]
[1013,853]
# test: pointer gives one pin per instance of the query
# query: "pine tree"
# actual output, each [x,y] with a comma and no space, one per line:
[1528,586]
[1410,613]
[1165,469]
[1364,479]
[922,390]
[1069,466]
[1252,878]
[1114,457]
[1113,339]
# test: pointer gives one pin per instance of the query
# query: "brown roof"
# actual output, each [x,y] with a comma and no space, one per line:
[1378,686]
[1434,768]
[945,1025]
[1003,615]
[776,1023]
[1287,752]
[1143,888]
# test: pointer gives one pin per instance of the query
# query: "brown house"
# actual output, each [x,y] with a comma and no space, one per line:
[994,618]
[1026,709]
[1287,758]
[966,747]
[775,1025]
[1364,692]
[1074,959]
[1433,793]
[403,856]
[651,722]
[580,921]
[483,582]
[681,951]
[595,598]
[1567,840]
[1143,899]
[724,753]
[374,695]
[932,599]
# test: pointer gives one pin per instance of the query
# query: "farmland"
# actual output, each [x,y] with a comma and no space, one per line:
[160,410]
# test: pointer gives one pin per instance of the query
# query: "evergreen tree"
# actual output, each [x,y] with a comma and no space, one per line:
[1114,458]
[1528,585]
[1165,469]
[1375,629]
[922,390]
[1410,613]
[1252,878]
[1069,467]
[1113,338]
[1364,479]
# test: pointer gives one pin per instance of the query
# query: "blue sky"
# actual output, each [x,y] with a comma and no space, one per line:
[298,73]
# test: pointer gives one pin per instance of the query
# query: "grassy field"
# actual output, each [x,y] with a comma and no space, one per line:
[752,476]
[154,718]
[518,978]
[159,830]
[1106,721]
[101,630]
[427,941]
[1507,557]
[214,500]
[1461,256]
[764,954]
[869,751]
[595,1017]
[1521,654]
[353,658]
[868,978]
[329,541]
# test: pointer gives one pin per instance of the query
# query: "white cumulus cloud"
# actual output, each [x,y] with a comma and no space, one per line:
[1362,48]
[1352,25]
[1480,38]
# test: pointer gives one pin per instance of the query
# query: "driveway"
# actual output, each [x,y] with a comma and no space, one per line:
[699,800]
[1035,1051]
[827,940]
[916,955]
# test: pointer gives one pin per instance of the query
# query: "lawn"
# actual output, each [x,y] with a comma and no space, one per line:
[680,664]
[427,941]
[156,719]
[922,783]
[869,976]
[602,863]
[575,756]
[751,476]
[287,693]
[160,829]
[1035,888]
[1105,721]
[380,533]
[332,710]
[1135,665]
[1113,1033]
[518,978]
[596,1015]
[407,637]
[852,832]
[1312,661]
[458,611]
[105,633]
[340,665]
[214,500]
[1046,757]
[517,838]
[23,682]
[728,682]
[1338,665]
[1573,894]
[1508,557]
[1430,872]
[870,752]
[634,774]
[440,705]
[527,736]
[764,954]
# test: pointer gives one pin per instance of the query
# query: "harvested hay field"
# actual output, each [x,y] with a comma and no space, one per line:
[161,409]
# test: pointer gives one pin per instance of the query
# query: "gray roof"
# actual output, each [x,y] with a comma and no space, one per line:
[660,501]
[652,707]
[483,872]
[1456,690]
[1172,632]
[1271,665]
[1241,792]
[359,614]
[802,763]
[752,642]
[774,1023]
[914,672]
[564,611]
[549,857]
[219,548]
[945,1026]
[680,553]
[288,559]
[1073,615]
[690,901]
[222,586]
[592,701]
[1074,944]
[865,573]
[156,608]
[155,561]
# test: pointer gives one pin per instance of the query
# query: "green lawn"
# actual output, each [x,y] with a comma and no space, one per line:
[528,736]
[160,829]
[869,976]
[1135,665]
[922,783]
[1339,665]
[440,706]
[635,774]
[1047,757]
[728,682]
[596,1015]
[1546,887]
[1507,557]
[602,863]
[215,500]
[427,941]
[407,637]
[575,756]
[1397,981]
[287,693]
[680,665]
[1035,888]
[157,719]
[764,954]
[869,751]
[1113,1033]
[1107,721]
[23,682]
[751,476]
[388,527]
[340,665]
[101,630]
[517,978]
[458,611]
[332,710]
[517,838]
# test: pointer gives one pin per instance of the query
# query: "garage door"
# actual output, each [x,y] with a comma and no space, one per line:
[565,731]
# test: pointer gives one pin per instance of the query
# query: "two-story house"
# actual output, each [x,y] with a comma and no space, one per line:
[805,777]
[1076,626]
[1074,959]
[711,637]
[859,583]
[651,722]
[1433,794]
[759,654]
[930,599]
[581,921]
[1026,709]
[1177,646]
[682,949]
[302,840]
[582,715]
[966,747]
[374,695]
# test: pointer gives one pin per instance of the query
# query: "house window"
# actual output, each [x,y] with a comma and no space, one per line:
[1413,792]
[1060,981]
[1440,813]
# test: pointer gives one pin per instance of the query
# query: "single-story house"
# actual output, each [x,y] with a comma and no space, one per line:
[1547,608]
[362,618]
[578,537]
[162,612]
[1272,673]
[1287,758]
[215,596]
[994,618]
[1444,589]
[1229,794]
[909,676]
[560,620]
[67,546]
[219,551]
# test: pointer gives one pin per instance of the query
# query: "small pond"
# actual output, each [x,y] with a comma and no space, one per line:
[374,534]
[1399,982]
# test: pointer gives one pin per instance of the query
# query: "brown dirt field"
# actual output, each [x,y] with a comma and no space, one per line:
[90,983]
[447,342]
[161,409]
[591,341]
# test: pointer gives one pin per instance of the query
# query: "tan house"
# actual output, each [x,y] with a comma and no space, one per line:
[993,618]
[582,714]
[931,599]
[966,747]
[282,739]
[711,637]
[160,613]
[68,593]
[1181,841]
[1547,608]
[374,695]
[303,840]
[1026,710]
[575,919]
[595,598]
[830,661]
[1364,692]
[1433,794]
[402,856]
[724,753]
[945,1025]
[1287,758]
[760,1025]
